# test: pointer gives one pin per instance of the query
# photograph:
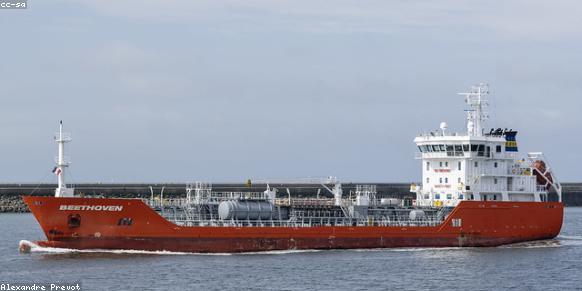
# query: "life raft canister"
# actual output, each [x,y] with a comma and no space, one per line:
[539,168]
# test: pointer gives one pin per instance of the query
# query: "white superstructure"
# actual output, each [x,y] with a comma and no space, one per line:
[62,164]
[479,165]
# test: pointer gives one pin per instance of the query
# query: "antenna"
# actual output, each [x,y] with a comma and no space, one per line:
[477,115]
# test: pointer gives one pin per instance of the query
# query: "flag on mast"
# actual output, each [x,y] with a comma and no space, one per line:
[57,170]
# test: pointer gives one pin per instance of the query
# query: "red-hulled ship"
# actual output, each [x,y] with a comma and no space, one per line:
[475,192]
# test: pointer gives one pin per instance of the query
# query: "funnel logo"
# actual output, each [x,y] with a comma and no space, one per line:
[91,207]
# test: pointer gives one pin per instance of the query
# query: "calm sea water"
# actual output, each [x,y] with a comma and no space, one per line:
[545,265]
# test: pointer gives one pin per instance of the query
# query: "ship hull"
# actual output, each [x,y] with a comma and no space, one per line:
[97,226]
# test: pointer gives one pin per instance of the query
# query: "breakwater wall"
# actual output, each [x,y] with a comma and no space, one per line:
[10,194]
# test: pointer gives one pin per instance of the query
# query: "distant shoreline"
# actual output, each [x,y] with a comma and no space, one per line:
[11,201]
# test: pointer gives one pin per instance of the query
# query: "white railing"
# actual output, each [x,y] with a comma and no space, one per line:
[456,154]
[499,171]
[440,134]
[304,201]
[216,198]
[489,188]
[66,136]
[306,222]
[166,202]
[67,159]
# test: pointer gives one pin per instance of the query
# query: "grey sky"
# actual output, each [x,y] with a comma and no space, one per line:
[227,90]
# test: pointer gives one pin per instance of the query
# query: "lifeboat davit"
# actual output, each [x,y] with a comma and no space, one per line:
[543,176]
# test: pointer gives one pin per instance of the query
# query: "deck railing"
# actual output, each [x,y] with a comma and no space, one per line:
[313,222]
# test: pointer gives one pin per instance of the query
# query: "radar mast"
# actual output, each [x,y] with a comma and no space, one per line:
[61,138]
[477,115]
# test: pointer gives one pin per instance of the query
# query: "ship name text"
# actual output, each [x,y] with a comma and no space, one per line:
[91,207]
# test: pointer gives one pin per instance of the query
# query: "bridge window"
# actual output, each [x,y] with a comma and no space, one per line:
[458,150]
[442,147]
[466,147]
[450,150]
[481,150]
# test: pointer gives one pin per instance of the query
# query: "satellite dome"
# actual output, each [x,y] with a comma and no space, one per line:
[443,126]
